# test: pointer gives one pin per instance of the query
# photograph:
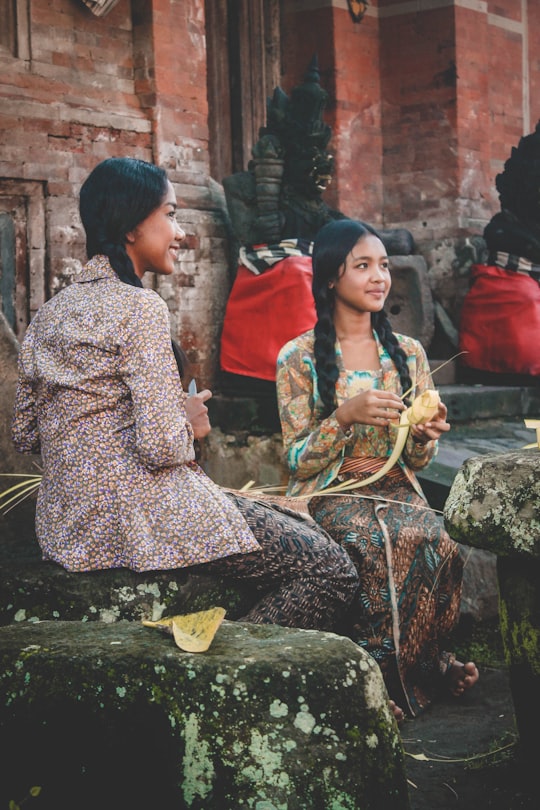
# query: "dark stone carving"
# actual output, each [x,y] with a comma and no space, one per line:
[516,228]
[280,195]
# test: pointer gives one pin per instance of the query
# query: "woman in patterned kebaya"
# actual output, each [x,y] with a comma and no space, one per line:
[340,388]
[100,397]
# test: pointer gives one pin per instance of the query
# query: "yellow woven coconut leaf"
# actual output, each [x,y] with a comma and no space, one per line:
[424,407]
[192,632]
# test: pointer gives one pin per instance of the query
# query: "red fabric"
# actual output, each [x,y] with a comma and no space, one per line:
[264,312]
[500,322]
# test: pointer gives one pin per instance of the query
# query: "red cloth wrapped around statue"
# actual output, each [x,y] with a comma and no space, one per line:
[263,312]
[500,322]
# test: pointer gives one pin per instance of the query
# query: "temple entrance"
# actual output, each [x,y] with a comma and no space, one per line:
[22,252]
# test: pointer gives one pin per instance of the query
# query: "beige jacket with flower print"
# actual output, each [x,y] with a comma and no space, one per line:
[99,396]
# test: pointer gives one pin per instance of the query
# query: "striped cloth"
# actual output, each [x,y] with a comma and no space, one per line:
[364,466]
[259,258]
[509,261]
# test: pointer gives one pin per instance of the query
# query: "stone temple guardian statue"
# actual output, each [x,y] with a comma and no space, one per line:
[276,207]
[500,318]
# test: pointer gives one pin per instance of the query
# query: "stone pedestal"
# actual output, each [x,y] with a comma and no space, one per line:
[494,504]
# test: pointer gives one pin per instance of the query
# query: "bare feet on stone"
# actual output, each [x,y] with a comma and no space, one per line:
[398,713]
[461,677]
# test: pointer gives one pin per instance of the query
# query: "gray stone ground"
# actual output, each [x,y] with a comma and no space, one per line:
[457,737]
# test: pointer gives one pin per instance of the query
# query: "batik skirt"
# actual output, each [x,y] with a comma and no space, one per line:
[410,582]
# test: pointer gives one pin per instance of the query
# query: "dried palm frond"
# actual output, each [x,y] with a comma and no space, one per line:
[13,496]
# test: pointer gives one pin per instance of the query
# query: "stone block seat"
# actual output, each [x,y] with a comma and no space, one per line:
[116,716]
[34,590]
[100,711]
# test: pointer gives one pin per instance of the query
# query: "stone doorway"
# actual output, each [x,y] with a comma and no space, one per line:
[22,252]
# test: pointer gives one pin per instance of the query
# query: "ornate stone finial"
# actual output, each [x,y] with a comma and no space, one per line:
[280,196]
[297,124]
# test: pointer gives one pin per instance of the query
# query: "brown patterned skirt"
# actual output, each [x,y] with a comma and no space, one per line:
[410,582]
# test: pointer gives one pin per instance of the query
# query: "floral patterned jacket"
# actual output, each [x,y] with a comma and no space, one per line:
[100,397]
[315,447]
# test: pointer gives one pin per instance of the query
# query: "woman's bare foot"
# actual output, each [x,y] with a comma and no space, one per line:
[461,677]
[398,713]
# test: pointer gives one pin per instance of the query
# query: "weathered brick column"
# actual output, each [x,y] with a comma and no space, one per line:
[494,503]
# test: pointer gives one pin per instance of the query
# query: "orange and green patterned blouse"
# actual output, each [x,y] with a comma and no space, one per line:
[315,447]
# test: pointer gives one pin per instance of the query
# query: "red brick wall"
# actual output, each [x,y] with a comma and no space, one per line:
[418,78]
[426,101]
[130,83]
[64,109]
[506,106]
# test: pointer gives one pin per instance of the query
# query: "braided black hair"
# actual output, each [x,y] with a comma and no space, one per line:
[116,197]
[332,245]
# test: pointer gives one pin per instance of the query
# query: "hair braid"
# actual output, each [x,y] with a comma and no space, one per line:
[382,326]
[121,263]
[325,353]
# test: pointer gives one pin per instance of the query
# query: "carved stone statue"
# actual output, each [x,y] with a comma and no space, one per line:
[280,195]
[500,317]
[275,210]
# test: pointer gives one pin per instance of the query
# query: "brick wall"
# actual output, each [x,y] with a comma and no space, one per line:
[87,88]
[426,101]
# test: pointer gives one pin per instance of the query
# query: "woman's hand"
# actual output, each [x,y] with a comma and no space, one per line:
[197,413]
[433,429]
[371,407]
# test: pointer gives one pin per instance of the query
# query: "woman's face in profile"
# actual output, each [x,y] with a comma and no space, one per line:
[154,243]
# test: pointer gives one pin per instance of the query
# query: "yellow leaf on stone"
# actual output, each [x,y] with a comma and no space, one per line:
[534,423]
[192,632]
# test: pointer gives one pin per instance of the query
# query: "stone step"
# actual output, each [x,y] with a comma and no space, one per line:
[34,590]
[258,414]
[470,403]
[484,419]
